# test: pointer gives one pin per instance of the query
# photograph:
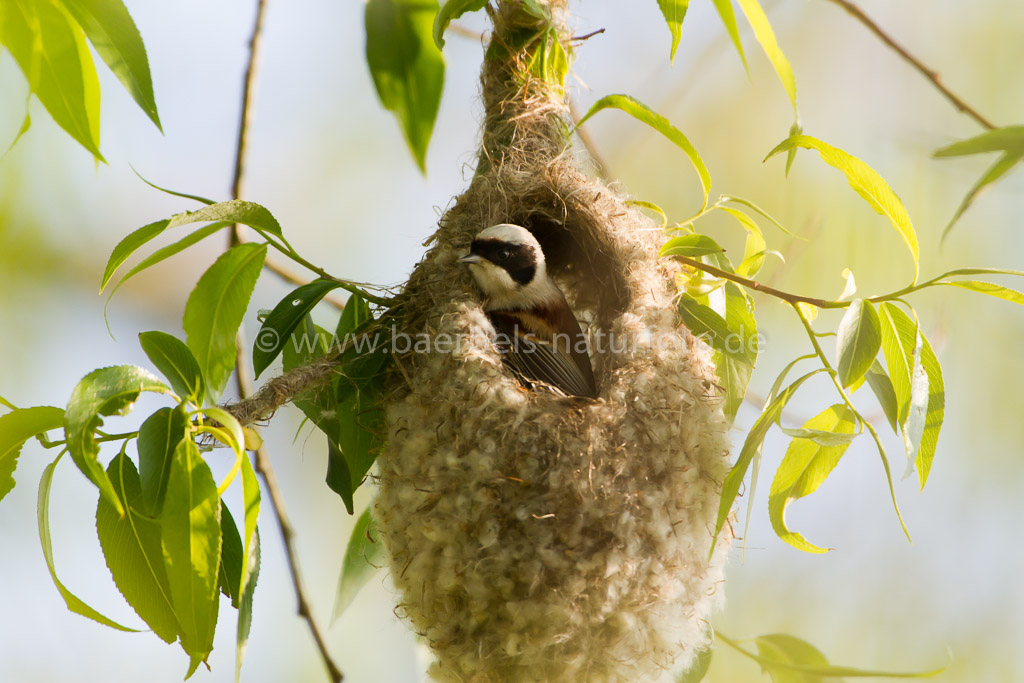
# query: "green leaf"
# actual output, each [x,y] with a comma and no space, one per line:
[882,387]
[233,211]
[736,359]
[129,245]
[338,478]
[752,448]
[858,341]
[363,557]
[406,65]
[766,37]
[704,322]
[1007,139]
[52,53]
[16,428]
[751,205]
[693,245]
[158,440]
[131,547]
[164,253]
[26,124]
[645,114]
[789,659]
[43,514]
[361,421]
[452,9]
[989,288]
[173,358]
[215,310]
[725,11]
[699,669]
[229,578]
[674,12]
[107,391]
[112,32]
[899,338]
[191,541]
[1002,165]
[184,195]
[866,181]
[282,321]
[754,249]
[805,466]
[250,562]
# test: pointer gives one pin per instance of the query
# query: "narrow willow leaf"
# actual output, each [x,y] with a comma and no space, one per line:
[173,193]
[215,310]
[16,428]
[173,358]
[363,557]
[407,67]
[694,245]
[882,387]
[725,11]
[287,314]
[158,440]
[913,428]
[233,211]
[338,478]
[191,541]
[361,421]
[107,391]
[867,183]
[755,248]
[229,577]
[450,10]
[766,37]
[250,562]
[858,340]
[7,404]
[112,32]
[52,53]
[790,659]
[810,311]
[1001,167]
[164,253]
[752,448]
[850,288]
[43,515]
[645,114]
[699,669]
[989,288]
[805,466]
[818,436]
[751,205]
[704,322]
[899,338]
[651,206]
[26,124]
[980,271]
[735,360]
[674,12]
[795,129]
[131,547]
[1007,139]
[129,245]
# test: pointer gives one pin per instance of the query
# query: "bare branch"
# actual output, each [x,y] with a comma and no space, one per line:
[242,368]
[931,74]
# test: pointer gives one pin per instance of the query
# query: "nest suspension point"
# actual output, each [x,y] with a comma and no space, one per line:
[533,537]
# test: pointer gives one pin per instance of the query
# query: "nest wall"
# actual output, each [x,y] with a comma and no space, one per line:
[534,537]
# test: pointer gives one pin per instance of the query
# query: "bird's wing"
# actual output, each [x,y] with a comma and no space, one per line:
[534,358]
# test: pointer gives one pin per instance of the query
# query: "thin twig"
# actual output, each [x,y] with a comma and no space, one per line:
[931,74]
[464,31]
[242,369]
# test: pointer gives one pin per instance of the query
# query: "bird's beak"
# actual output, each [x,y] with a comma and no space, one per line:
[470,259]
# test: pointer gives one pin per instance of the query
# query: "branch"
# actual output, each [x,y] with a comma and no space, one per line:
[931,74]
[242,369]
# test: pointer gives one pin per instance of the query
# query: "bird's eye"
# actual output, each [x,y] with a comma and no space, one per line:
[505,254]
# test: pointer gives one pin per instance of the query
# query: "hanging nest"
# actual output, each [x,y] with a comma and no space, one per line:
[534,537]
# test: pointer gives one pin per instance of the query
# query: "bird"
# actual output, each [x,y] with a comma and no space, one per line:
[537,334]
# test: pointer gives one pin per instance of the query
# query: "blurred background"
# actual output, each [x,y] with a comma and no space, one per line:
[332,166]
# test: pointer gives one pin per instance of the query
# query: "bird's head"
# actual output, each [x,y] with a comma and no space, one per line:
[508,265]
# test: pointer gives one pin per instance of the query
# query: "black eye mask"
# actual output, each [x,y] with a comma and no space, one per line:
[519,260]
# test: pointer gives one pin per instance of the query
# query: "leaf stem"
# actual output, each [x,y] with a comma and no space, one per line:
[931,74]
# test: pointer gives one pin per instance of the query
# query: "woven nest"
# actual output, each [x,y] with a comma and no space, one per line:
[534,537]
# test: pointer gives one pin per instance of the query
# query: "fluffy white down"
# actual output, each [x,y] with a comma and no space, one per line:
[533,539]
